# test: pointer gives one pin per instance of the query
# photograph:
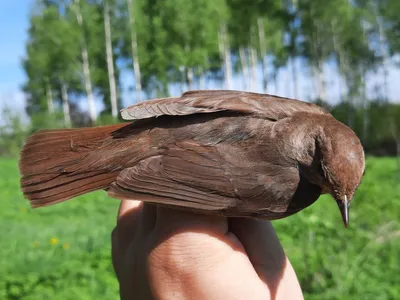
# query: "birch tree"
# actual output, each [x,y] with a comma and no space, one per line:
[134,49]
[52,55]
[244,67]
[65,104]
[263,53]
[110,60]
[85,63]
[225,55]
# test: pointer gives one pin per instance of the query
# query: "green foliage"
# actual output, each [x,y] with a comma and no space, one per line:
[12,133]
[52,57]
[357,263]
[63,251]
[377,125]
[178,43]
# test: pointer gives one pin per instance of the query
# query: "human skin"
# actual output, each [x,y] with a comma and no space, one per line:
[162,253]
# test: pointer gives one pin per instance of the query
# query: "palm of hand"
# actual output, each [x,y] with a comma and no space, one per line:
[160,253]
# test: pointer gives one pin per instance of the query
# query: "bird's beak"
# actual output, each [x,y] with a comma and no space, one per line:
[344,210]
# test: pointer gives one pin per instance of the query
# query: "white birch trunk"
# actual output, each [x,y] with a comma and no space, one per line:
[318,74]
[342,66]
[135,56]
[182,73]
[384,52]
[110,61]
[293,58]
[86,66]
[226,54]
[202,79]
[321,79]
[65,105]
[253,60]
[189,78]
[203,74]
[365,103]
[263,54]
[294,77]
[49,98]
[253,68]
[244,67]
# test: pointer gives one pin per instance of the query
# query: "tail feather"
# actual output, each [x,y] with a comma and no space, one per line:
[57,165]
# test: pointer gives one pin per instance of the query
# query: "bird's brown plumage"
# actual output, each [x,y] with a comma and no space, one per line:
[224,152]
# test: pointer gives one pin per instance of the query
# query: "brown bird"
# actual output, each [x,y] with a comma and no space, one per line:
[221,152]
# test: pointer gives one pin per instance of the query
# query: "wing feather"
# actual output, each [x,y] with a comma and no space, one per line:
[195,102]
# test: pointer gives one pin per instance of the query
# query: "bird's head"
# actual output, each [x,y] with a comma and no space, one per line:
[342,164]
[334,160]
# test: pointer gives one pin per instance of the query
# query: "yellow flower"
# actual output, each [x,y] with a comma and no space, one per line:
[23,210]
[35,244]
[53,241]
[66,246]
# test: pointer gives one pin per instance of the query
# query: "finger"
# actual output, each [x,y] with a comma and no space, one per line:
[267,256]
[199,250]
[116,252]
[127,222]
[131,207]
[262,246]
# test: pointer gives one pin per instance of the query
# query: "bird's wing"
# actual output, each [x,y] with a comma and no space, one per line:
[194,177]
[194,102]
[185,175]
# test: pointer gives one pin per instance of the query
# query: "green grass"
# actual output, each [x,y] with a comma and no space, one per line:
[63,251]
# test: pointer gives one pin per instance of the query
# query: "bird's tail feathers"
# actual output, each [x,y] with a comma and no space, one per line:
[57,165]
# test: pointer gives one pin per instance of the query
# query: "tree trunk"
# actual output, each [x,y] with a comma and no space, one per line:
[275,78]
[384,53]
[294,77]
[226,54]
[110,61]
[202,79]
[203,73]
[135,56]
[317,60]
[294,51]
[189,78]
[244,67]
[263,54]
[339,60]
[49,97]
[253,63]
[86,66]
[182,73]
[253,60]
[365,108]
[318,73]
[65,104]
[321,79]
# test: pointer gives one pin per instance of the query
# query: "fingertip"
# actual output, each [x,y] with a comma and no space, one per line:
[128,220]
[134,214]
[128,207]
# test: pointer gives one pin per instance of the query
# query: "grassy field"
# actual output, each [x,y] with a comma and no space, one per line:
[63,251]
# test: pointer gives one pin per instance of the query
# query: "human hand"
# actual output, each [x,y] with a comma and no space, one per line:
[162,253]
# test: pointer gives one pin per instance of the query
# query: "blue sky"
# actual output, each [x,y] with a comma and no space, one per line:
[14,18]
[14,23]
